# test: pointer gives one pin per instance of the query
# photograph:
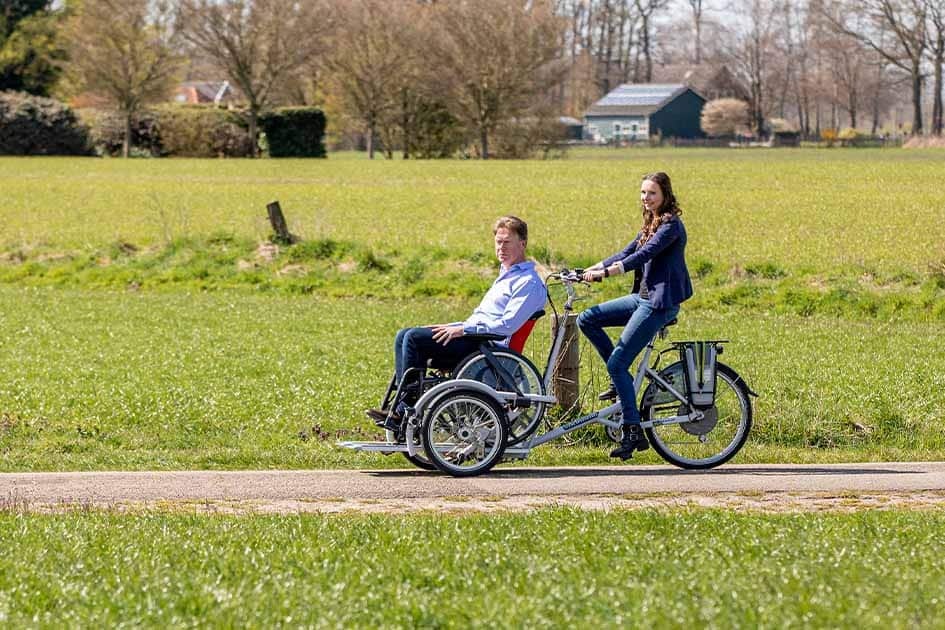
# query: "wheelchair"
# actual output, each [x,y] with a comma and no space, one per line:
[500,368]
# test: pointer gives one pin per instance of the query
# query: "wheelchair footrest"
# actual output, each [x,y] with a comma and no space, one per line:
[375,447]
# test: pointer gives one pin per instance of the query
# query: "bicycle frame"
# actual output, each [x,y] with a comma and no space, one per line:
[602,416]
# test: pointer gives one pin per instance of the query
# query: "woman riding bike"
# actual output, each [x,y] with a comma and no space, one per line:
[659,250]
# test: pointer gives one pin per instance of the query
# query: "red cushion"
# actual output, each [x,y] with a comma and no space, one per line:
[517,342]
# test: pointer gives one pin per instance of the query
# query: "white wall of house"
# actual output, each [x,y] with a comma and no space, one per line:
[610,128]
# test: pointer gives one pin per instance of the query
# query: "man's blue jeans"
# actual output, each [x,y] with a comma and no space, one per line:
[413,346]
[640,322]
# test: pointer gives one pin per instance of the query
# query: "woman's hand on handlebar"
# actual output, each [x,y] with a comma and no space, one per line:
[593,275]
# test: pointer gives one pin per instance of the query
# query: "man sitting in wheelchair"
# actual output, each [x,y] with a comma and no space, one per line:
[515,295]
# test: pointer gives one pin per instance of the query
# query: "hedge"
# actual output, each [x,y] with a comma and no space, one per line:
[202,131]
[34,125]
[177,130]
[294,132]
[108,132]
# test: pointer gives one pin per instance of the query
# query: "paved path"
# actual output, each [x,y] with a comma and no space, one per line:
[113,487]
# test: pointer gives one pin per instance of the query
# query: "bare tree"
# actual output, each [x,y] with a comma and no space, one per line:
[122,50]
[370,56]
[496,57]
[697,11]
[646,9]
[256,43]
[936,15]
[752,51]
[905,20]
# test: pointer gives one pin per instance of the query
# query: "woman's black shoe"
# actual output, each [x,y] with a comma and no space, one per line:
[633,440]
[610,394]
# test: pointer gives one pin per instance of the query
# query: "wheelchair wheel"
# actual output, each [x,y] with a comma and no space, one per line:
[464,433]
[522,421]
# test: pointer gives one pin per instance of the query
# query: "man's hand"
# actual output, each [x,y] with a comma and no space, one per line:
[444,334]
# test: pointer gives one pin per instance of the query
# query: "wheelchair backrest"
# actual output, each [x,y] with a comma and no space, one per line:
[517,342]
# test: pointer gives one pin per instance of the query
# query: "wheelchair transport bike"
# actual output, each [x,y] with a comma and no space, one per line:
[696,411]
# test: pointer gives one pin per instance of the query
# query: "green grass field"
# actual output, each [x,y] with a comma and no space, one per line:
[797,209]
[551,568]
[139,328]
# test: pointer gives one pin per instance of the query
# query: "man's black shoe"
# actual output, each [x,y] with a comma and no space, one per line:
[379,416]
[633,440]
[610,394]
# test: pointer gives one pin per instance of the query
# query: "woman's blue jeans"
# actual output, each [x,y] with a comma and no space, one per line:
[640,323]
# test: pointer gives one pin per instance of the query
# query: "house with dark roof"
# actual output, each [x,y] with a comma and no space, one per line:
[636,111]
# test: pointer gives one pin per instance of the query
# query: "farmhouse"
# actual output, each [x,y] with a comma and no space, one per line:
[215,92]
[636,111]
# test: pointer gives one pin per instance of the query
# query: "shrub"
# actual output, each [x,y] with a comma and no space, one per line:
[176,130]
[724,116]
[108,132]
[437,133]
[294,132]
[33,125]
[519,139]
[202,131]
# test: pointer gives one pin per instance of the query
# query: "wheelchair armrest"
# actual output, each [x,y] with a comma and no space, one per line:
[480,337]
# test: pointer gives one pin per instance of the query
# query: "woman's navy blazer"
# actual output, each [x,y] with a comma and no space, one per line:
[663,261]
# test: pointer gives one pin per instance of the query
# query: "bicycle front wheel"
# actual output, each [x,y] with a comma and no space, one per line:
[706,443]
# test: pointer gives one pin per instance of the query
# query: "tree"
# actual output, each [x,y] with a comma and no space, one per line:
[936,14]
[724,117]
[646,9]
[256,43]
[495,58]
[30,49]
[905,20]
[697,10]
[752,52]
[370,60]
[124,51]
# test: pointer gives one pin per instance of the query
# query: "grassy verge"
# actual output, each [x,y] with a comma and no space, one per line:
[550,568]
[134,380]
[331,267]
[787,208]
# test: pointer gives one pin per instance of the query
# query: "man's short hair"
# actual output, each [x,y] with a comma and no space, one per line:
[513,224]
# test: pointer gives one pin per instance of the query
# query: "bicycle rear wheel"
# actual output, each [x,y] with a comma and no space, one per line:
[706,443]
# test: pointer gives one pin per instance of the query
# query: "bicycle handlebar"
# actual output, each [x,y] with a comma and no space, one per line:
[571,276]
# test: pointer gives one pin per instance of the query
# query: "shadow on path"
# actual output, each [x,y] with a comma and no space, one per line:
[553,473]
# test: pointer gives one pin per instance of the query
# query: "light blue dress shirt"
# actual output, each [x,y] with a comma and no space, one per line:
[515,296]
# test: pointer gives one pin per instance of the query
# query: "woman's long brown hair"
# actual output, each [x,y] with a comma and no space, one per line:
[668,211]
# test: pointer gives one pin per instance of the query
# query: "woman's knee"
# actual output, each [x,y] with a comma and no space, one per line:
[585,320]
[618,363]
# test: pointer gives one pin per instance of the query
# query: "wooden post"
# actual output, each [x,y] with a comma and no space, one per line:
[564,381]
[279,227]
